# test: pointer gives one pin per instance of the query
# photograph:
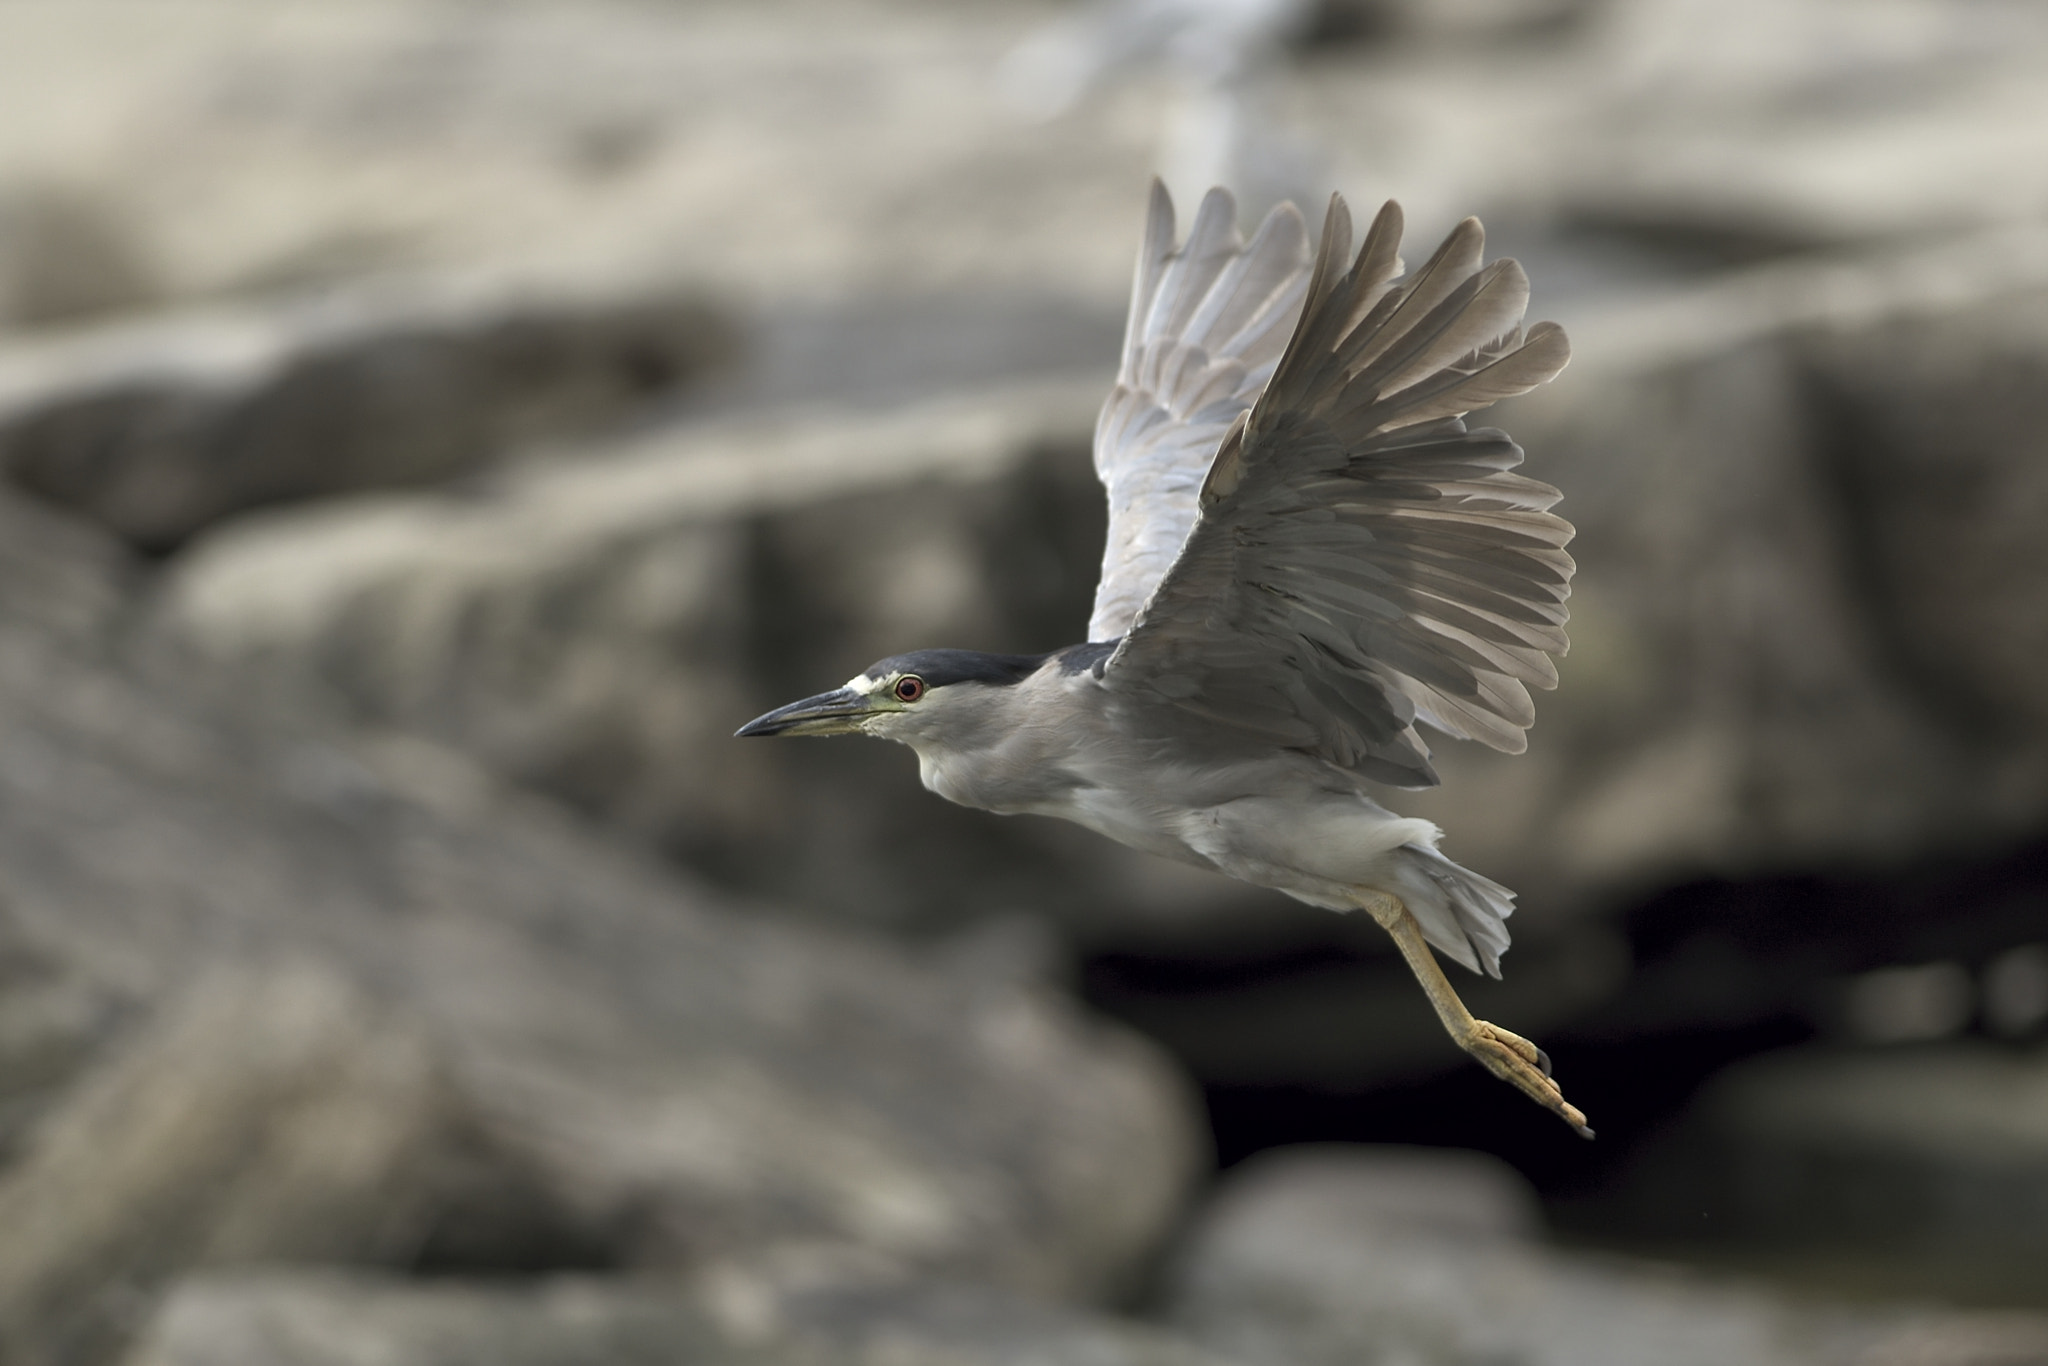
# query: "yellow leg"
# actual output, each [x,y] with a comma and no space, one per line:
[1510,1057]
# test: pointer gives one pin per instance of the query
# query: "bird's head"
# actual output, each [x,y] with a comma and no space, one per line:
[927,693]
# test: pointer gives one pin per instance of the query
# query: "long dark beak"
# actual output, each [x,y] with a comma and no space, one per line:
[838,712]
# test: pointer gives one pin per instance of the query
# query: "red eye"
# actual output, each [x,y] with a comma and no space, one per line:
[909,688]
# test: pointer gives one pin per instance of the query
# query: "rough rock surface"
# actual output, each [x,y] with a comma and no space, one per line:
[312,1319]
[62,578]
[1799,616]
[944,1322]
[1326,1257]
[65,255]
[546,1049]
[272,1112]
[161,427]
[808,146]
[1937,1152]
[1737,701]
[327,1320]
[598,625]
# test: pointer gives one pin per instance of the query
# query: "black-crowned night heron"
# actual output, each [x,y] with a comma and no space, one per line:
[1309,554]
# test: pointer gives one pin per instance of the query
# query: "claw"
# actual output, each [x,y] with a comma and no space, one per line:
[1507,1055]
[1523,1066]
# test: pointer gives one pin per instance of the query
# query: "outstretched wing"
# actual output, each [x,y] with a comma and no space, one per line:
[1207,325]
[1363,562]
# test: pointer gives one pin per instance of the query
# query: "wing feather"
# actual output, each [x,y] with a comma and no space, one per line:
[1207,325]
[1359,561]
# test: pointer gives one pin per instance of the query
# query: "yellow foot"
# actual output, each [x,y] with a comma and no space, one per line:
[1524,1066]
[1510,1057]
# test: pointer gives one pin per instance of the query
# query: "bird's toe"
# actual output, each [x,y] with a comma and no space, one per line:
[1526,1067]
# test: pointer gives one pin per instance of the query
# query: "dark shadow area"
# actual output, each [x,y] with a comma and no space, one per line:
[1722,971]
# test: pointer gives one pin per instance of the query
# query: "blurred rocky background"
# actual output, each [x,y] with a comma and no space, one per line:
[429,427]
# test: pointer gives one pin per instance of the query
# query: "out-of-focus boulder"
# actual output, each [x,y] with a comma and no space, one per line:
[271,1112]
[61,576]
[1932,432]
[1388,1191]
[1739,699]
[597,626]
[946,1322]
[312,1319]
[65,254]
[160,427]
[68,582]
[1801,614]
[676,135]
[524,1028]
[1338,1257]
[1751,685]
[1934,1156]
[315,1319]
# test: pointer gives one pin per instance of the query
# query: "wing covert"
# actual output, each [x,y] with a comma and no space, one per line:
[1208,321]
[1362,561]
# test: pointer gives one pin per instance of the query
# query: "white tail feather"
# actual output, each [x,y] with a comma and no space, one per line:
[1461,913]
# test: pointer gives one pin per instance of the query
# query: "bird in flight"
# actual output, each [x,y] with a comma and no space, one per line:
[1310,555]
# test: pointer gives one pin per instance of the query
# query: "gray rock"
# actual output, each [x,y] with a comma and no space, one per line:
[596,626]
[1739,699]
[1935,1155]
[940,1323]
[313,1319]
[271,1111]
[1763,674]
[161,427]
[1934,430]
[72,583]
[547,1049]
[1753,685]
[1335,1259]
[324,1319]
[66,254]
[1438,1193]
[61,576]
[675,135]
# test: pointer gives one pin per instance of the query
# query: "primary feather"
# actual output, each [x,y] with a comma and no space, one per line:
[1325,555]
[1207,326]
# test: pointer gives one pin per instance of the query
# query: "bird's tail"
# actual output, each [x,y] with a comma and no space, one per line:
[1460,912]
